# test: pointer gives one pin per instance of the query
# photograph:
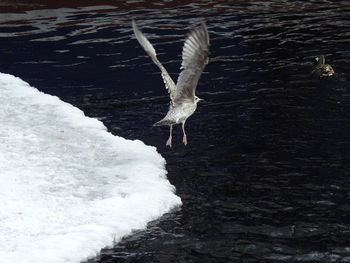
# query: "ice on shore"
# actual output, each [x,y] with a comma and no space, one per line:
[69,187]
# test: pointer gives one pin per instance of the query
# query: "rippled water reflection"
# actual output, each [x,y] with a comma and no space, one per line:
[265,177]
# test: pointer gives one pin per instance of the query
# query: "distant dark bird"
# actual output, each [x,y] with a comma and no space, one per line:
[194,58]
[322,69]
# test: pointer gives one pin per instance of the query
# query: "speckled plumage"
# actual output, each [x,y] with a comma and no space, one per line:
[178,114]
[194,58]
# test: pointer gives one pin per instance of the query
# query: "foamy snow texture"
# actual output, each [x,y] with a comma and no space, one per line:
[68,187]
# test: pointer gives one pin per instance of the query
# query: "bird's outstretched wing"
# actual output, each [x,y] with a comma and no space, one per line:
[147,46]
[194,59]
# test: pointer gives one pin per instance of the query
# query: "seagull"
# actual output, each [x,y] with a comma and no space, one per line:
[183,101]
[322,69]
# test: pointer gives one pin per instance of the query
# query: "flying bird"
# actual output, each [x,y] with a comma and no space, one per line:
[183,100]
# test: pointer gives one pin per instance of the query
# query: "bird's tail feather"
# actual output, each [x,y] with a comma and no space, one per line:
[163,122]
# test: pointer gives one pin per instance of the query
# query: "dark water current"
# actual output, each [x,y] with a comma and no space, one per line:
[266,174]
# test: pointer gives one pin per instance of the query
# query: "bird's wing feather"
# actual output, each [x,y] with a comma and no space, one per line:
[147,46]
[194,59]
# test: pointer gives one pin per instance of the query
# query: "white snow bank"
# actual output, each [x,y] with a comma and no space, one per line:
[68,187]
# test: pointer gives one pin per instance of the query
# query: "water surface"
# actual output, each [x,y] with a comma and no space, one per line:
[265,177]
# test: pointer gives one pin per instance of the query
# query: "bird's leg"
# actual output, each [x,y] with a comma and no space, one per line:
[184,138]
[168,142]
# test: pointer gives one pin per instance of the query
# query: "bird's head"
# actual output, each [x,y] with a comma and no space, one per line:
[320,59]
[197,99]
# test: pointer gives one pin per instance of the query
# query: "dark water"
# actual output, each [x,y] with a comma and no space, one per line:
[266,174]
